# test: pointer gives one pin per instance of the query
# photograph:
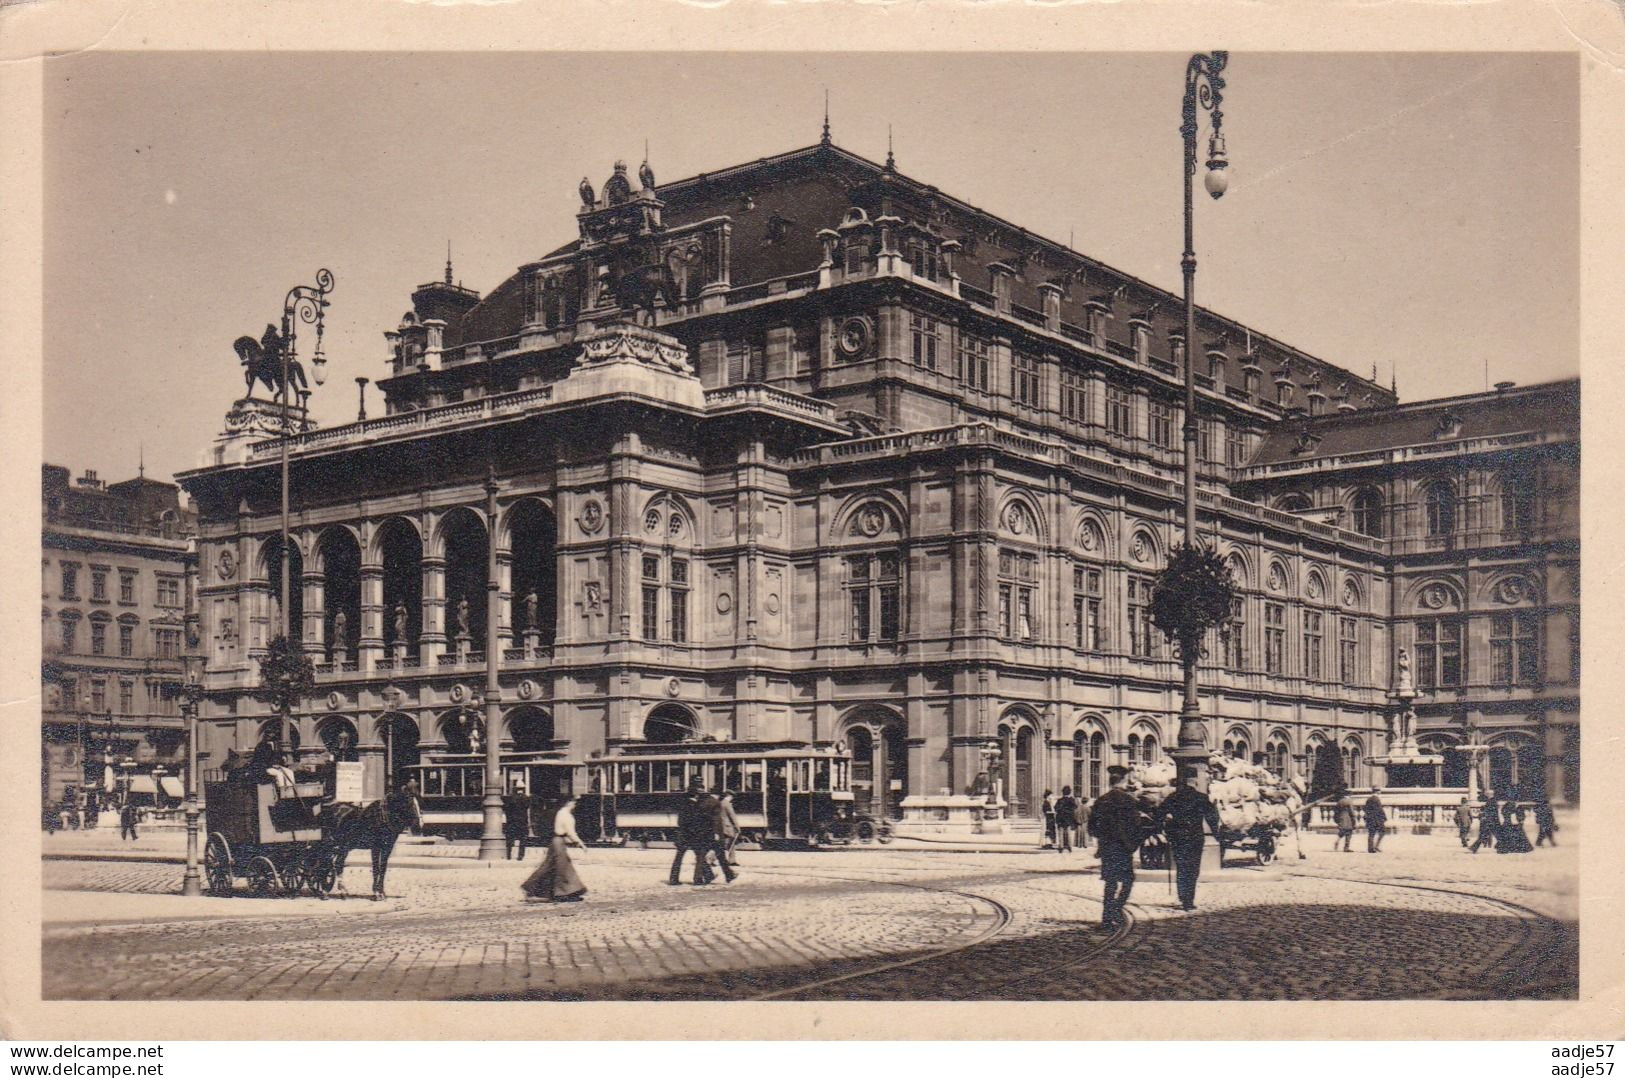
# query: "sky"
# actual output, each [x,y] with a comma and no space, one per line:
[1415,211]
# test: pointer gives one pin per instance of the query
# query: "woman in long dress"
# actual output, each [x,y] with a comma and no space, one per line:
[555,879]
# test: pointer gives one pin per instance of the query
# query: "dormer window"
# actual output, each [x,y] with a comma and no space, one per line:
[1142,342]
[923,259]
[1094,324]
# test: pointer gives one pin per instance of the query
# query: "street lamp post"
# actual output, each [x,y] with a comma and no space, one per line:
[191,882]
[493,846]
[303,303]
[1204,86]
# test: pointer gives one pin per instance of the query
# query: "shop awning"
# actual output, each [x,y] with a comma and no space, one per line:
[171,785]
[143,784]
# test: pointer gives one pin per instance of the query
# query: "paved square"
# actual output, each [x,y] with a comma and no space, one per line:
[1423,919]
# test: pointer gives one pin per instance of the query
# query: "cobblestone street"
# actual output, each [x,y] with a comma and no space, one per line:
[1423,919]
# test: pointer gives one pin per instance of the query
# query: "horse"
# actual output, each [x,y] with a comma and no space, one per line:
[637,288]
[262,362]
[376,827]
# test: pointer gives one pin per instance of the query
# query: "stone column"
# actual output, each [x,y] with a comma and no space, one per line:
[432,635]
[370,642]
[314,628]
[508,636]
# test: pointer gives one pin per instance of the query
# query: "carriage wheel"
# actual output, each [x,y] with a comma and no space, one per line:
[865,831]
[293,877]
[884,834]
[1266,850]
[262,877]
[320,870]
[217,865]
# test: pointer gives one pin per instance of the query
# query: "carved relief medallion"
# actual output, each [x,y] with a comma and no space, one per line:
[1512,589]
[1435,596]
[592,516]
[725,602]
[226,564]
[1140,549]
[1277,578]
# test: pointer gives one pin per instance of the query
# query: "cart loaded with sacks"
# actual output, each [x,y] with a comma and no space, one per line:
[1255,806]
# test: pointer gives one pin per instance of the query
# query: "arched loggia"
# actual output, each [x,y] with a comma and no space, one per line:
[466,575]
[533,534]
[341,591]
[402,552]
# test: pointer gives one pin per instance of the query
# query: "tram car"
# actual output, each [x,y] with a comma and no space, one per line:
[272,841]
[451,789]
[785,792]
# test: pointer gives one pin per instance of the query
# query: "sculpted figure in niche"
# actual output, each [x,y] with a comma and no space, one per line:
[1404,664]
[400,623]
[530,609]
[462,616]
[341,627]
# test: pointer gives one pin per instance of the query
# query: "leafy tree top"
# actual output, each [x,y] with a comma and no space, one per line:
[286,674]
[1193,594]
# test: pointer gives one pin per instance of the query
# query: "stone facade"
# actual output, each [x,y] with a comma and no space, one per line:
[885,471]
[115,566]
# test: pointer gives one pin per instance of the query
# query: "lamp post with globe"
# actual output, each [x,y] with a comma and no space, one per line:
[1204,86]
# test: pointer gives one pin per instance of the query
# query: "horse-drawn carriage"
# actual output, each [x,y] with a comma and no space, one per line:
[287,839]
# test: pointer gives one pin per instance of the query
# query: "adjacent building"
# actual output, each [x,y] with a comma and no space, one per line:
[115,565]
[888,472]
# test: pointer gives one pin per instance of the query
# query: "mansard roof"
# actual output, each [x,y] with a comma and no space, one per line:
[795,195]
[1550,407]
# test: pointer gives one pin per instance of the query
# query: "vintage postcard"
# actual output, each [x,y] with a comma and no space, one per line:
[1040,509]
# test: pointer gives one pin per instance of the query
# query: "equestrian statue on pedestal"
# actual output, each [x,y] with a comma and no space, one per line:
[262,362]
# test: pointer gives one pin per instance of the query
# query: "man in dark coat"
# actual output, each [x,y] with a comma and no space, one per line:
[1183,816]
[1376,821]
[1489,823]
[1066,820]
[1545,823]
[1114,820]
[1464,820]
[696,831]
[128,817]
[516,822]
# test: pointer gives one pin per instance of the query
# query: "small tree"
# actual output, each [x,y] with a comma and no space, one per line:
[1328,775]
[286,676]
[1194,594]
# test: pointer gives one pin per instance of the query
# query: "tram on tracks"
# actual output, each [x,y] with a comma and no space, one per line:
[451,789]
[785,792]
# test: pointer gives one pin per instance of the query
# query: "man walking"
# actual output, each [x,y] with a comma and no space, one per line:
[1115,822]
[1343,816]
[724,829]
[1048,810]
[1066,820]
[729,828]
[1184,814]
[515,822]
[1545,823]
[1489,823]
[1376,821]
[1464,820]
[128,817]
[696,832]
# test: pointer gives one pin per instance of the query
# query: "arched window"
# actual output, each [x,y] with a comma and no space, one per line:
[874,577]
[1517,501]
[1150,752]
[1294,503]
[1368,512]
[1351,763]
[1439,509]
[669,724]
[666,577]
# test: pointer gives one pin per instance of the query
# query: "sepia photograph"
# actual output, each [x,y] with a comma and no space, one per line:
[811,527]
